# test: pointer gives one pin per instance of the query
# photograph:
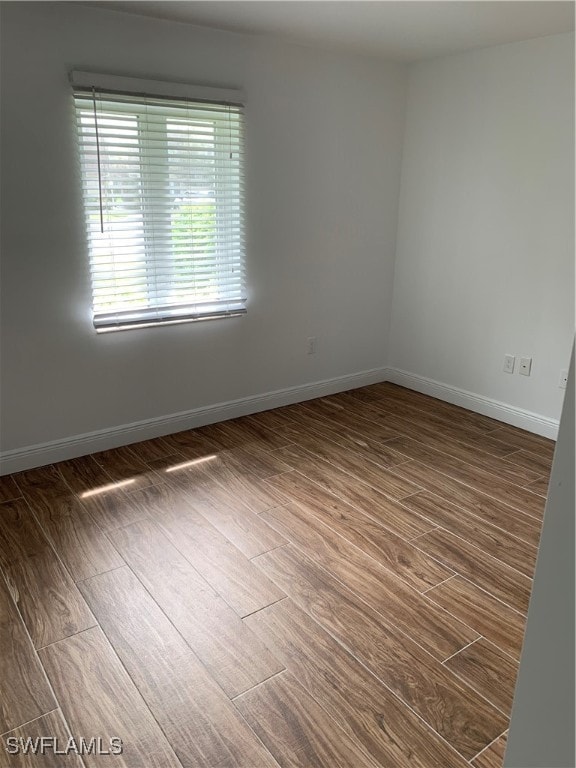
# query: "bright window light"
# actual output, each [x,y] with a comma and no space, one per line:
[185,464]
[109,487]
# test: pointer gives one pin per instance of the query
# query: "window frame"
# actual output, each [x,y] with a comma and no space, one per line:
[85,85]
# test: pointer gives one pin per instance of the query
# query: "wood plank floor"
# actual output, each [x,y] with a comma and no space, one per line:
[334,584]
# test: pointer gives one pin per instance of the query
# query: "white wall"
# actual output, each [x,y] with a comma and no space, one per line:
[485,237]
[484,260]
[543,713]
[324,135]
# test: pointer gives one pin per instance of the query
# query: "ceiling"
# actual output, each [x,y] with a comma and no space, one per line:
[403,30]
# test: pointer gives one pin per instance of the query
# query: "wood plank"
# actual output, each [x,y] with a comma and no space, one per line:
[540,486]
[238,432]
[252,458]
[357,463]
[99,698]
[474,476]
[124,464]
[420,430]
[223,436]
[243,527]
[203,477]
[24,690]
[360,704]
[438,431]
[250,461]
[234,656]
[390,551]
[491,510]
[308,737]
[8,489]
[499,623]
[250,490]
[38,478]
[501,581]
[242,585]
[397,605]
[428,403]
[190,475]
[353,416]
[123,455]
[488,670]
[191,445]
[450,707]
[49,601]
[200,722]
[294,421]
[53,500]
[276,420]
[469,454]
[166,464]
[220,437]
[372,513]
[523,440]
[350,455]
[83,474]
[156,500]
[334,408]
[386,394]
[299,410]
[113,508]
[50,726]
[494,541]
[493,757]
[20,535]
[149,450]
[445,437]
[388,412]
[336,476]
[541,465]
[270,421]
[81,545]
[312,432]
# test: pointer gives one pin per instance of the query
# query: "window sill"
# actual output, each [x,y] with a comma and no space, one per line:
[157,323]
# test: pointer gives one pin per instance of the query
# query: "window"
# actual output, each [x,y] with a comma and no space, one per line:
[163,196]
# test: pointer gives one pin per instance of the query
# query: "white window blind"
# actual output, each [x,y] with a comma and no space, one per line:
[163,194]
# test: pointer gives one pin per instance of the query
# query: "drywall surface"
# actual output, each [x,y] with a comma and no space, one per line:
[543,714]
[485,254]
[323,153]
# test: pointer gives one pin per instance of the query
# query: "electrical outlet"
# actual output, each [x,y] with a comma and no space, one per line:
[525,366]
[311,345]
[563,379]
[509,361]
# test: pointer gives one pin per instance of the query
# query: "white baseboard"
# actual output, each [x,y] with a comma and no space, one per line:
[533,422]
[104,439]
